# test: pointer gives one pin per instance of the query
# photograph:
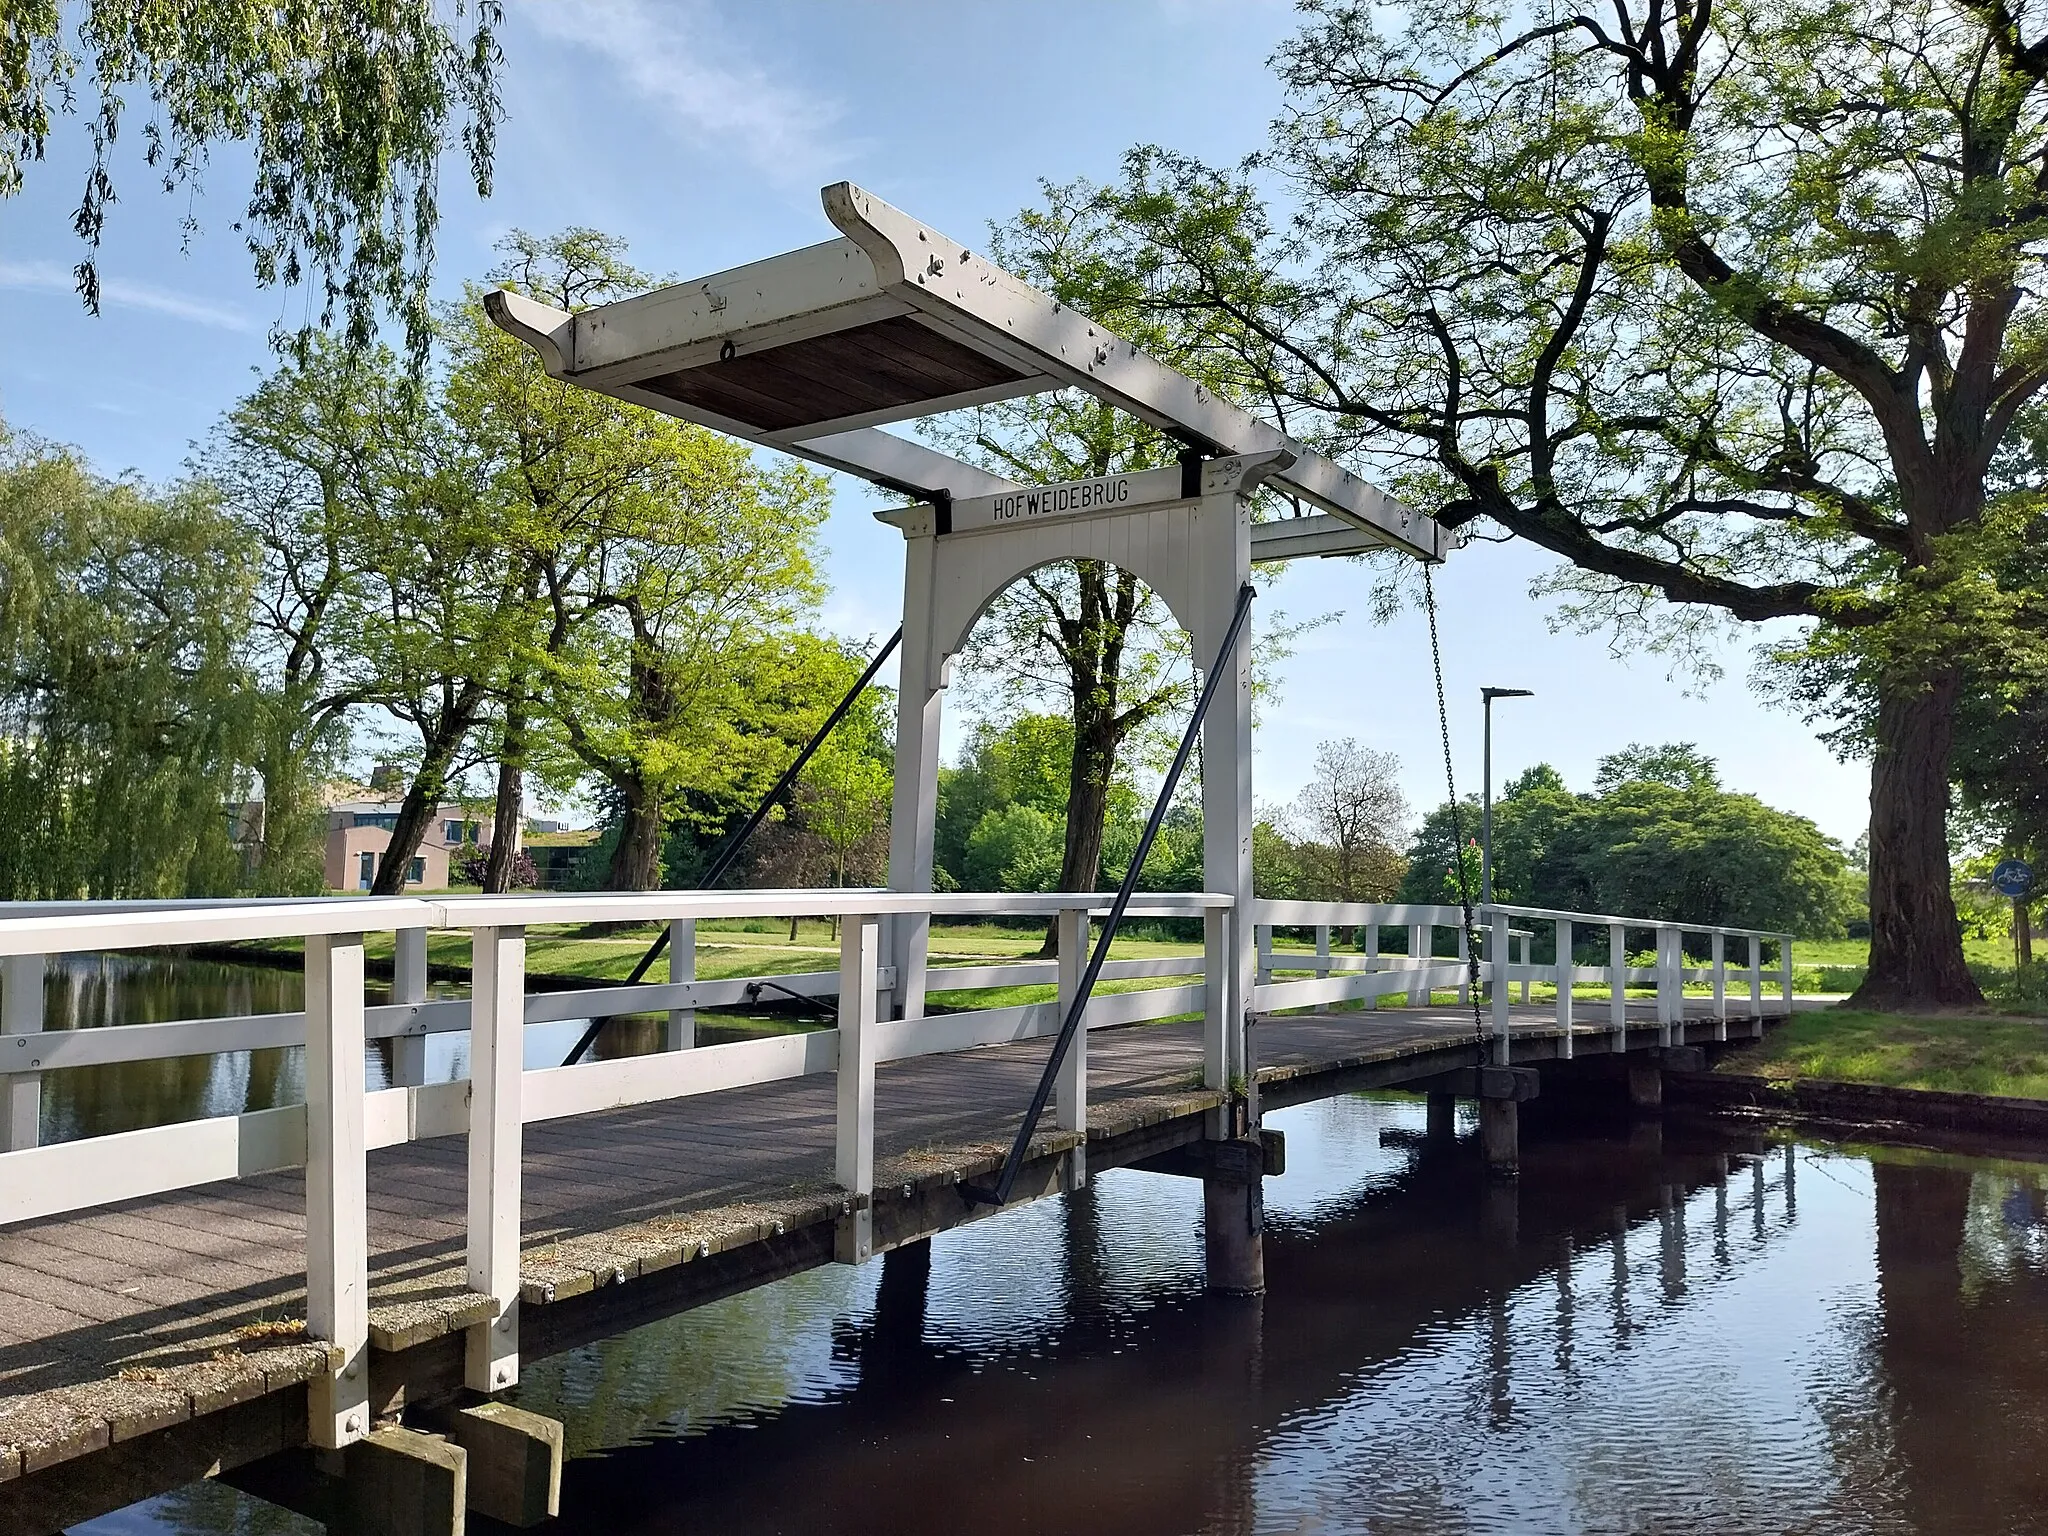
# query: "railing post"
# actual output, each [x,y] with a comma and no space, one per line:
[1071,1102]
[1498,985]
[337,1196]
[681,1033]
[1668,1007]
[1323,948]
[1464,966]
[1564,984]
[860,946]
[21,1020]
[1216,1000]
[1720,942]
[1372,952]
[1421,940]
[1785,969]
[1756,976]
[1617,984]
[1524,943]
[497,1042]
[409,985]
[1262,940]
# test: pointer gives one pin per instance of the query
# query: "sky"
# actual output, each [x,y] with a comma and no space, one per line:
[701,131]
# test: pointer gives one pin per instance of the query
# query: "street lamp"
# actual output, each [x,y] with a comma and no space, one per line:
[1487,696]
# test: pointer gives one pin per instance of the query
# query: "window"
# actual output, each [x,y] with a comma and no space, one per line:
[366,870]
[384,819]
[452,831]
[416,871]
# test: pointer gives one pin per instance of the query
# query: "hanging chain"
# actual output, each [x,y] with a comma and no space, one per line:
[1443,721]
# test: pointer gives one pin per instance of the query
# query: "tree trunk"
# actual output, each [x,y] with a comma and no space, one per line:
[636,857]
[509,811]
[422,800]
[1916,944]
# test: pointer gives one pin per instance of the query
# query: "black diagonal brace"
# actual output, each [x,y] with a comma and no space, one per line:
[999,1193]
[738,840]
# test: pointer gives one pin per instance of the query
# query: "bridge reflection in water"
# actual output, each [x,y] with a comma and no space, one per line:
[1692,1331]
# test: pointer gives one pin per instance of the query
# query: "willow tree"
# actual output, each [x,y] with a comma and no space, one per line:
[124,718]
[344,110]
[1731,305]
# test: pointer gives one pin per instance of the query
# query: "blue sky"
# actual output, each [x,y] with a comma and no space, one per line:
[701,132]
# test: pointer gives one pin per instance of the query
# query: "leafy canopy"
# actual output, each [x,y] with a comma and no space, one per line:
[345,109]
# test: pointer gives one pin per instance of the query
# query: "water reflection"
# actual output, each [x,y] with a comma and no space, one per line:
[91,991]
[1704,1333]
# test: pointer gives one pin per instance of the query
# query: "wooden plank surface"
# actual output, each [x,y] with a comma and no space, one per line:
[205,1277]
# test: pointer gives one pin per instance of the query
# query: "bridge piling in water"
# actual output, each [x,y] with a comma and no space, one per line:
[1234,1234]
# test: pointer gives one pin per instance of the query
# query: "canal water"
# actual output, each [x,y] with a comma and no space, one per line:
[1689,1327]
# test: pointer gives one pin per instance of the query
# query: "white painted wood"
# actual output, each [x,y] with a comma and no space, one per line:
[129,1165]
[1669,1007]
[1070,1102]
[1464,966]
[1263,972]
[1499,986]
[681,1033]
[59,927]
[1785,968]
[409,986]
[394,1116]
[1421,941]
[1314,992]
[1221,556]
[1566,972]
[554,1093]
[920,705]
[1521,940]
[853,1160]
[337,1216]
[497,1040]
[1720,978]
[22,1052]
[1216,923]
[1617,983]
[939,1034]
[1756,977]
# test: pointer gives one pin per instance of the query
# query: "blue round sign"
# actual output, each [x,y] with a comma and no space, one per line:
[2012,877]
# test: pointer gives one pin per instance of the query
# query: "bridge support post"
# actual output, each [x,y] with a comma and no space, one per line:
[1441,1117]
[681,1031]
[1234,1235]
[1645,1085]
[1500,1136]
[514,1461]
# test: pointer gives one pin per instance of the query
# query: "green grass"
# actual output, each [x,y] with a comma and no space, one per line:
[2000,1054]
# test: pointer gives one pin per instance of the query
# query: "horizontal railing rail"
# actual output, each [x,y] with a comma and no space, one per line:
[1417,970]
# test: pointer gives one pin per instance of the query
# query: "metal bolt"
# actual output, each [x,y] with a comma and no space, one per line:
[703,1250]
[906,1191]
[352,1425]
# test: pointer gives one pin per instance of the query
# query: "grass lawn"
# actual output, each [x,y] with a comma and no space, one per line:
[2001,1054]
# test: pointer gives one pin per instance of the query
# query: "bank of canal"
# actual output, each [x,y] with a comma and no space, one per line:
[1685,1327]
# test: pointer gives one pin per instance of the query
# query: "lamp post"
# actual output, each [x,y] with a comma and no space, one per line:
[1487,696]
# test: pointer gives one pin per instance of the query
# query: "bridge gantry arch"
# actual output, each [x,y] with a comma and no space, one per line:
[1186,533]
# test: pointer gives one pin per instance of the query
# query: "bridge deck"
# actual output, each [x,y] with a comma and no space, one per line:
[129,1318]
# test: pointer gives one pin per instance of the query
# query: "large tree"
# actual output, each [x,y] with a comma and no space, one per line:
[344,110]
[1727,304]
[670,565]
[124,698]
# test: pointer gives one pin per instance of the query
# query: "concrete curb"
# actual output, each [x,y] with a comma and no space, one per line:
[1863,1104]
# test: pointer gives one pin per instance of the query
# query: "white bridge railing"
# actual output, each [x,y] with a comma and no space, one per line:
[1414,973]
[342,1119]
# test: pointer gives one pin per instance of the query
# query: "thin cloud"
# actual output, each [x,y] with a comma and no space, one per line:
[49,277]
[676,57]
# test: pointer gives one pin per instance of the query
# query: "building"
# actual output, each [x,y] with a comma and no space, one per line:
[359,831]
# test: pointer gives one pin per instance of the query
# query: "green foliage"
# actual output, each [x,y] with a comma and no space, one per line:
[1644,846]
[124,701]
[1013,848]
[345,110]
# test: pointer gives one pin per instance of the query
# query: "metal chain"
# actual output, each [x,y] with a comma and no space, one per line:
[1443,721]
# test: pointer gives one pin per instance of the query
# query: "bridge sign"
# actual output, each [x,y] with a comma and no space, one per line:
[2012,877]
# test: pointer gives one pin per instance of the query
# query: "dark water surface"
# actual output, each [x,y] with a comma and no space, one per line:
[1676,1329]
